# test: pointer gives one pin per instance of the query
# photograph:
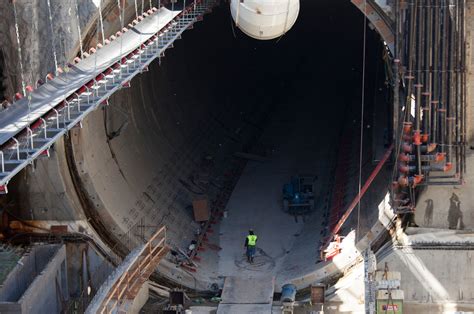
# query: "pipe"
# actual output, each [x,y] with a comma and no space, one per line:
[438,157]
[411,56]
[408,148]
[463,128]
[428,73]
[396,94]
[419,59]
[405,181]
[435,92]
[417,133]
[459,51]
[407,127]
[364,189]
[458,102]
[452,78]
[405,168]
[444,68]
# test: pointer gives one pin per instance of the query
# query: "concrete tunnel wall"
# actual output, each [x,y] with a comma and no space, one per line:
[164,125]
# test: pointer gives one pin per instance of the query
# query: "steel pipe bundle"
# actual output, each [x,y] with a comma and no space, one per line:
[429,118]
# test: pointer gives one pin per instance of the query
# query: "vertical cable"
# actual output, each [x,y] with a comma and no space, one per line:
[79,29]
[20,57]
[362,107]
[136,9]
[120,14]
[53,37]
[121,18]
[95,54]
[101,22]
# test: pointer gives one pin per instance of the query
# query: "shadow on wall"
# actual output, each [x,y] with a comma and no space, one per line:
[455,216]
[446,211]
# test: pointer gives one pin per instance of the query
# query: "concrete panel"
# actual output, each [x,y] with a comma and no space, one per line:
[25,271]
[36,298]
[248,290]
[44,266]
[244,308]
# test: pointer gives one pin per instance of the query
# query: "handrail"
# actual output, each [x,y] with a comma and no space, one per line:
[136,272]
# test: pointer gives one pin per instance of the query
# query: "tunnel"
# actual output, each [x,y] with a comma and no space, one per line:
[186,128]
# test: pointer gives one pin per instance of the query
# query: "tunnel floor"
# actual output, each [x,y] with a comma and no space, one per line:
[298,147]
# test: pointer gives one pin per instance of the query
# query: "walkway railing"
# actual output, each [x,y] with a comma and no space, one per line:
[125,283]
[34,122]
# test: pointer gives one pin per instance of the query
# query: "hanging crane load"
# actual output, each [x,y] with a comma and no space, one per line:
[264,19]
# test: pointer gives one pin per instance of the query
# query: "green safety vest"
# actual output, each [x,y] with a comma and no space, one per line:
[252,240]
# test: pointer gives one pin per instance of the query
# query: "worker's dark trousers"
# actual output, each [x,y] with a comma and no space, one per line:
[250,253]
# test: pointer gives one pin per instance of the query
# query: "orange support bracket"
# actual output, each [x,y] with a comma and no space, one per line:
[359,196]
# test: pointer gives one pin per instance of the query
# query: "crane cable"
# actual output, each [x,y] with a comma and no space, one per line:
[81,46]
[22,72]
[20,57]
[53,39]
[136,9]
[121,18]
[101,22]
[362,105]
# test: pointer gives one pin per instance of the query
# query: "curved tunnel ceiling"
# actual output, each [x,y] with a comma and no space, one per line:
[140,162]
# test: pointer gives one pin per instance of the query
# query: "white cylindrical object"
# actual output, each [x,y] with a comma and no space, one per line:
[264,19]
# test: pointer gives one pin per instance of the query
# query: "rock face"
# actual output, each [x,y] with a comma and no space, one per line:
[49,30]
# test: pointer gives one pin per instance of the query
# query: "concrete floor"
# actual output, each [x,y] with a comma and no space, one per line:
[299,147]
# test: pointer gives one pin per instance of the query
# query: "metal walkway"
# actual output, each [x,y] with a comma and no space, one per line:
[126,281]
[37,120]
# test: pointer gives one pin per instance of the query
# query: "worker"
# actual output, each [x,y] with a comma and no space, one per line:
[250,243]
